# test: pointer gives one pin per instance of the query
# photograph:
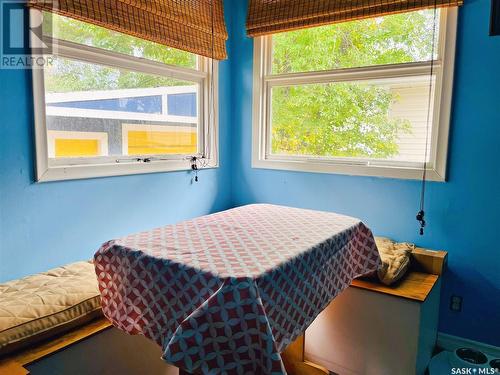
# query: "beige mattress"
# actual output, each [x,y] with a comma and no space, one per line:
[46,304]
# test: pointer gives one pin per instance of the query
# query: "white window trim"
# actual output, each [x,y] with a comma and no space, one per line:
[79,168]
[436,168]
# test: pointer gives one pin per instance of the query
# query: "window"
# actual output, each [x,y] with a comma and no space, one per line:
[352,97]
[111,104]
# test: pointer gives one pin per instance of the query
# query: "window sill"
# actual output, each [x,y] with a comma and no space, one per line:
[397,172]
[75,172]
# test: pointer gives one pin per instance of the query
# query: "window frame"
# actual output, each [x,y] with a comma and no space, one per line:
[51,169]
[264,80]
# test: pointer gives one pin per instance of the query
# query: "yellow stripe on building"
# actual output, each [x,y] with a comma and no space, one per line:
[161,142]
[76,147]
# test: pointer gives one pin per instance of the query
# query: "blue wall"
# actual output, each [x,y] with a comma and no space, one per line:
[463,214]
[50,224]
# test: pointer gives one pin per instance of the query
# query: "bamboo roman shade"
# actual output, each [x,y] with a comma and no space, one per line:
[182,24]
[275,16]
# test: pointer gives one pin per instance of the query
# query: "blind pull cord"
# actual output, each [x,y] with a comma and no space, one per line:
[421,212]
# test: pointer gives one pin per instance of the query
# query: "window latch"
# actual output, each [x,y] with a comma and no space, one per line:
[138,160]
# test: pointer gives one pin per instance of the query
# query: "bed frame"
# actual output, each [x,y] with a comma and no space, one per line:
[16,364]
[427,266]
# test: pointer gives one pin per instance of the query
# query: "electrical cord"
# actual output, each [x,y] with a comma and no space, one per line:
[203,161]
[421,212]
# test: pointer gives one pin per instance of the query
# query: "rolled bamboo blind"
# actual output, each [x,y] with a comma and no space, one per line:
[275,16]
[182,24]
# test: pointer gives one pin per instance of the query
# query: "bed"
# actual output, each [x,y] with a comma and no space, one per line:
[228,292]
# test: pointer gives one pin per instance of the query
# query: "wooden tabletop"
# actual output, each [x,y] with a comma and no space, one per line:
[415,286]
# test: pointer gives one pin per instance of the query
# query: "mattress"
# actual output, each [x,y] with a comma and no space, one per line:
[46,304]
[227,292]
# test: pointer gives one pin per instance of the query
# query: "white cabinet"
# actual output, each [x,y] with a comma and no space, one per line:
[369,333]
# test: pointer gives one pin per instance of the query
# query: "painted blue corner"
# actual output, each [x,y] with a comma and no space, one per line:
[463,213]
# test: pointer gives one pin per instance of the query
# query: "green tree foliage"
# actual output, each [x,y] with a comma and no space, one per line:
[67,75]
[344,119]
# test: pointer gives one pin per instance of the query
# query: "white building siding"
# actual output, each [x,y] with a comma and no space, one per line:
[412,105]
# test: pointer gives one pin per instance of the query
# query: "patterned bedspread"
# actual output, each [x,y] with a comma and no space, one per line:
[226,293]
